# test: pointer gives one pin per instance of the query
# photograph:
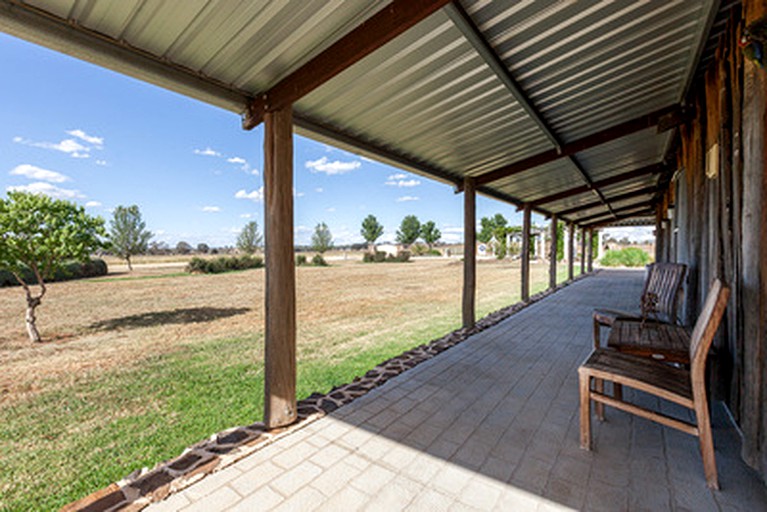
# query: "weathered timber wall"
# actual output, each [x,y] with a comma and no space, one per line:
[719,223]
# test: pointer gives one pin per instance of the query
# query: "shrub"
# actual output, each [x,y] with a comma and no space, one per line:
[378,257]
[319,261]
[401,257]
[628,257]
[418,249]
[69,271]
[301,260]
[223,264]
[433,252]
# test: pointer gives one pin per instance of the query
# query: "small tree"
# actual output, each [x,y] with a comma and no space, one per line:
[371,231]
[409,230]
[183,247]
[128,235]
[430,233]
[322,239]
[492,226]
[37,234]
[203,248]
[249,239]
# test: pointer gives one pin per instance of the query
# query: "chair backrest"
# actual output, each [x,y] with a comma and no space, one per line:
[664,282]
[706,326]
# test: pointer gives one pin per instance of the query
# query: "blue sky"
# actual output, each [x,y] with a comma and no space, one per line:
[83,133]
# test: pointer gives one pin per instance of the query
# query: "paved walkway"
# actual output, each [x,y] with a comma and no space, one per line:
[491,424]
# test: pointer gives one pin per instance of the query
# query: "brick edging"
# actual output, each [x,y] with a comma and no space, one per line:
[142,487]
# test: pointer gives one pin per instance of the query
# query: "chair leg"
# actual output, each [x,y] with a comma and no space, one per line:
[585,391]
[597,333]
[706,443]
[599,407]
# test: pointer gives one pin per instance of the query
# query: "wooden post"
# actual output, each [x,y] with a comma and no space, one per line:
[280,336]
[754,255]
[469,251]
[526,252]
[590,249]
[553,253]
[570,250]
[659,232]
[583,250]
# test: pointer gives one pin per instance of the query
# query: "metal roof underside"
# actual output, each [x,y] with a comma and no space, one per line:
[475,87]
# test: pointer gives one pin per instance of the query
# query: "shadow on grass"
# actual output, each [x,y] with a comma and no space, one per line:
[175,316]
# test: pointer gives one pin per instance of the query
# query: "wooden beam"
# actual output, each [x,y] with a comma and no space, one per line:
[570,251]
[608,222]
[391,21]
[280,317]
[622,209]
[612,180]
[469,252]
[590,141]
[525,260]
[553,252]
[613,199]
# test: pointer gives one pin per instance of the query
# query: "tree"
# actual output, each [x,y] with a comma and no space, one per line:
[430,233]
[409,230]
[37,234]
[249,239]
[322,240]
[183,247]
[127,233]
[371,231]
[492,226]
[203,248]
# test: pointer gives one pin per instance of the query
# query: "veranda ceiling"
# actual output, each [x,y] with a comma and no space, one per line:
[475,88]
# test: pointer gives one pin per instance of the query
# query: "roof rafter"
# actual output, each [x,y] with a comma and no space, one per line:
[387,24]
[622,209]
[608,222]
[613,199]
[476,38]
[582,189]
[666,118]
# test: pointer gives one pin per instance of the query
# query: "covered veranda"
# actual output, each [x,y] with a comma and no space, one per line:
[591,113]
[491,424]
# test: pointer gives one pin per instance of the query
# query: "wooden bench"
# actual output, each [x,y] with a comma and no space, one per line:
[658,302]
[679,385]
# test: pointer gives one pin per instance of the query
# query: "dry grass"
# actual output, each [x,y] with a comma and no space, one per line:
[98,324]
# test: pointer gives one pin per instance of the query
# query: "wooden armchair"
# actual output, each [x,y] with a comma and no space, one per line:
[659,300]
[678,385]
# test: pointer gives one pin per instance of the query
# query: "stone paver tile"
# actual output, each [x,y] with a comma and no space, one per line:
[357,461]
[451,479]
[531,474]
[173,503]
[260,456]
[423,468]
[377,447]
[255,478]
[335,478]
[399,457]
[301,475]
[263,499]
[348,499]
[395,496]
[602,497]
[219,499]
[513,498]
[213,482]
[294,455]
[480,494]
[498,469]
[373,479]
[443,449]
[318,440]
[305,500]
[432,501]
[329,455]
[566,493]
[355,438]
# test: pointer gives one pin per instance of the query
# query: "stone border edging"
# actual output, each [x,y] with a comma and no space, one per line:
[142,487]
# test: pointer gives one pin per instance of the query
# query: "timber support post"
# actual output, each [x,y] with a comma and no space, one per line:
[280,303]
[553,253]
[525,271]
[659,233]
[570,251]
[590,250]
[583,250]
[469,251]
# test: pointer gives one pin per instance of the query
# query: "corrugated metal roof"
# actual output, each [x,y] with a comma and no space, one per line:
[428,101]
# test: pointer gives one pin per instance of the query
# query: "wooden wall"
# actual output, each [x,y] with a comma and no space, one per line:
[718,224]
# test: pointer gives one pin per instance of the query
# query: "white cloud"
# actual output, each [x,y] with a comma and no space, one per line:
[68,146]
[330,210]
[404,199]
[319,190]
[41,187]
[331,168]
[236,160]
[92,204]
[101,162]
[211,209]
[403,183]
[207,152]
[396,177]
[296,193]
[246,215]
[37,173]
[90,139]
[256,195]
[452,229]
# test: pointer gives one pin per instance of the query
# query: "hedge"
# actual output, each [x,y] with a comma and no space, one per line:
[69,271]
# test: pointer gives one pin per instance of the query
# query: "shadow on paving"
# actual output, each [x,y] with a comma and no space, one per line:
[175,316]
[502,410]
